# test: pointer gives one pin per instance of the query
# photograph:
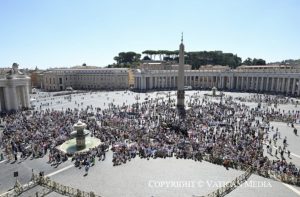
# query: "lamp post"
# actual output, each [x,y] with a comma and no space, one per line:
[169,96]
[297,87]
[221,94]
[137,103]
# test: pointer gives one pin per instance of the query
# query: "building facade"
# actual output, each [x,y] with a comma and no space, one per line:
[14,90]
[161,65]
[36,78]
[271,78]
[85,78]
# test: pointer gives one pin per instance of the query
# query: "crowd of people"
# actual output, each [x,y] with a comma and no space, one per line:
[228,133]
[269,99]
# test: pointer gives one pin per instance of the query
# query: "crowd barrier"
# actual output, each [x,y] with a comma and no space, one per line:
[60,188]
[222,191]
[283,177]
[48,186]
[18,189]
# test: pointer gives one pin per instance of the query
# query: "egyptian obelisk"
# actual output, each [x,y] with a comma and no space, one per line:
[180,81]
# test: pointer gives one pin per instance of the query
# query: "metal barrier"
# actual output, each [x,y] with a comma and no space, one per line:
[49,186]
[18,189]
[283,177]
[60,188]
[232,185]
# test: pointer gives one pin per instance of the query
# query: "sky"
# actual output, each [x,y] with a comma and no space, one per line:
[65,33]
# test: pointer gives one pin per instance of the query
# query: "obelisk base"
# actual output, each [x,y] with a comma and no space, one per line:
[180,103]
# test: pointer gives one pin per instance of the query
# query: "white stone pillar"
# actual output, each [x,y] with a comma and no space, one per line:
[21,94]
[222,82]
[272,84]
[262,83]
[282,84]
[267,85]
[140,82]
[294,86]
[247,83]
[288,85]
[10,95]
[257,83]
[150,82]
[27,100]
[278,85]
[298,91]
[242,83]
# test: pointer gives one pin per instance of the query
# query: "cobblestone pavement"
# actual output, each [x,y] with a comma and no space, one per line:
[142,177]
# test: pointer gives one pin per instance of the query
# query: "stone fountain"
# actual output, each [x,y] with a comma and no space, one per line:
[80,135]
[80,141]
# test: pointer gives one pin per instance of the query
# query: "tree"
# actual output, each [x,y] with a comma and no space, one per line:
[255,61]
[150,53]
[247,61]
[259,62]
[146,57]
[127,57]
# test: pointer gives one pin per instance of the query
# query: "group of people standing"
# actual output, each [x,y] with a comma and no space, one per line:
[228,133]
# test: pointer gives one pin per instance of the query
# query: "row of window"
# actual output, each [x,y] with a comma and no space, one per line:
[112,78]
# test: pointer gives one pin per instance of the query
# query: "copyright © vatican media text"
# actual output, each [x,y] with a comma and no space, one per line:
[206,183]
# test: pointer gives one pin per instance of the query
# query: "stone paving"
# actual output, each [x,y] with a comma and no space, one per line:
[142,177]
[262,187]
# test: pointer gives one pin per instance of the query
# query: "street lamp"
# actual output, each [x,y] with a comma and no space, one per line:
[221,94]
[137,103]
[297,86]
[169,96]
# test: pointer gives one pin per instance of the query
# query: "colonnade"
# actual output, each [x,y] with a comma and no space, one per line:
[277,82]
[14,98]
[14,91]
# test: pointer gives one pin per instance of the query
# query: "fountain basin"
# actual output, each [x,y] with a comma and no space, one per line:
[70,146]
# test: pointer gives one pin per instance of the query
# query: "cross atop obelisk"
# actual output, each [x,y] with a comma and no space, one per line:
[182,37]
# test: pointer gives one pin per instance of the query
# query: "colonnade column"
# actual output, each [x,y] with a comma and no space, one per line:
[288,85]
[247,83]
[278,85]
[281,84]
[242,87]
[150,83]
[222,82]
[262,83]
[298,91]
[10,95]
[294,85]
